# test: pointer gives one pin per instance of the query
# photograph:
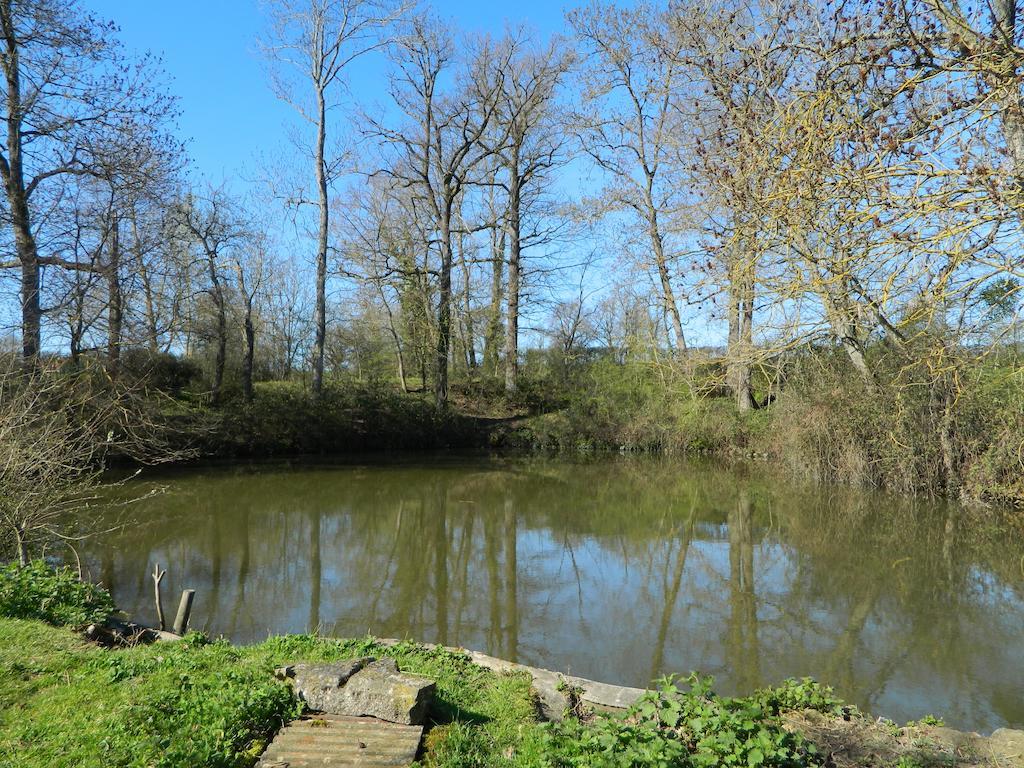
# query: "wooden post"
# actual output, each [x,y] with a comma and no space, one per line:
[184,611]
[158,576]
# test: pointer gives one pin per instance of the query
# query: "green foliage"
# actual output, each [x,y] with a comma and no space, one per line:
[929,720]
[805,693]
[56,596]
[634,406]
[672,727]
[1001,297]
[994,465]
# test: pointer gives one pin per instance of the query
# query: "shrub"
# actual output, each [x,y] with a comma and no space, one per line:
[56,596]
[160,370]
[801,694]
[671,727]
[285,419]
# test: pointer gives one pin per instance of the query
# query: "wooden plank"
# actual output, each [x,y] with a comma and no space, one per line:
[336,740]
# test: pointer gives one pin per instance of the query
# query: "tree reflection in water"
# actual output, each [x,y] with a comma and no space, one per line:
[619,569]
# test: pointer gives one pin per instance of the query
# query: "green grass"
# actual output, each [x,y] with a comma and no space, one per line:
[285,419]
[479,718]
[64,702]
[199,704]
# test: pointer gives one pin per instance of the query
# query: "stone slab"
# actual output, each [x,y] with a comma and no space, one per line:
[362,687]
[380,690]
[550,685]
[319,685]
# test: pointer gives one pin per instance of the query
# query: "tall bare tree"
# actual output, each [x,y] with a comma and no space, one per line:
[219,229]
[317,40]
[439,145]
[249,263]
[630,125]
[72,106]
[531,139]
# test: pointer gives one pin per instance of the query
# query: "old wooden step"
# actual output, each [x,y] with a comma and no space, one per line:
[337,740]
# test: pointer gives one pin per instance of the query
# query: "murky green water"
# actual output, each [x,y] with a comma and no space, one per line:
[617,569]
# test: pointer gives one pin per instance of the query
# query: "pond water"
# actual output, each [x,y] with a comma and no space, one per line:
[619,569]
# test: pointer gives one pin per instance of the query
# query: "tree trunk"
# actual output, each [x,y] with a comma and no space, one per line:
[444,311]
[744,389]
[492,341]
[250,351]
[76,323]
[21,546]
[400,360]
[741,322]
[31,311]
[658,246]
[469,332]
[115,300]
[514,224]
[152,324]
[13,174]
[320,310]
[217,293]
[947,437]
[399,353]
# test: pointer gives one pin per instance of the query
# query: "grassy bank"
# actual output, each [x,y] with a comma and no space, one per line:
[908,433]
[956,429]
[816,422]
[67,702]
[285,419]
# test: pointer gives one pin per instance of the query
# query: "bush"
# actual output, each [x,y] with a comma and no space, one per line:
[671,727]
[829,426]
[801,694]
[285,419]
[160,370]
[56,596]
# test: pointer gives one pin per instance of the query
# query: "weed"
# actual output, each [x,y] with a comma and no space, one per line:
[672,727]
[56,596]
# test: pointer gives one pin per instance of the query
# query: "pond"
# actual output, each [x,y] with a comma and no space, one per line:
[619,569]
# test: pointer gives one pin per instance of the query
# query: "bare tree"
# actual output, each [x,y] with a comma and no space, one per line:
[317,40]
[249,262]
[439,146]
[742,64]
[219,229]
[531,140]
[381,253]
[630,125]
[72,106]
[57,431]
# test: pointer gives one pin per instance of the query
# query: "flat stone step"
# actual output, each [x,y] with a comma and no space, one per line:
[337,740]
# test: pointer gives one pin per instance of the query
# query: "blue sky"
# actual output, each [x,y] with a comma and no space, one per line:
[229,115]
[235,127]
